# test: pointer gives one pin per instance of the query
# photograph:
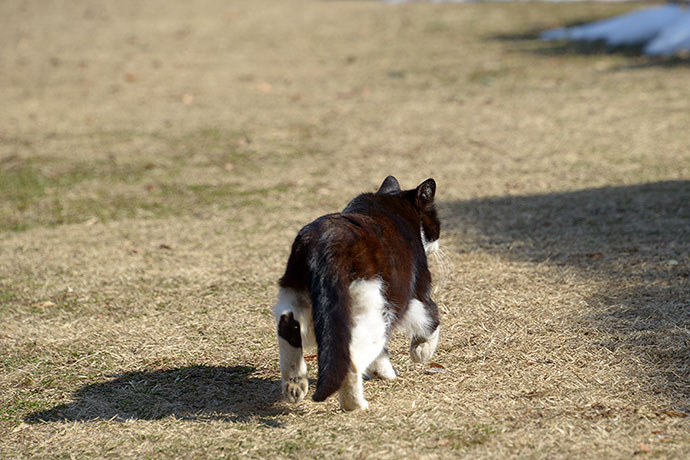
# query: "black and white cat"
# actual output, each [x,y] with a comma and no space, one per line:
[351,279]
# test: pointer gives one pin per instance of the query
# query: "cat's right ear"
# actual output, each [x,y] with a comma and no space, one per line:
[390,185]
[425,192]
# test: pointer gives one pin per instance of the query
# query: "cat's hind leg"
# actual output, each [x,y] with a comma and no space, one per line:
[423,348]
[421,324]
[293,368]
[382,368]
[368,340]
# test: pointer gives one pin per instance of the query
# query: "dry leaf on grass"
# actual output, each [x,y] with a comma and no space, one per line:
[436,368]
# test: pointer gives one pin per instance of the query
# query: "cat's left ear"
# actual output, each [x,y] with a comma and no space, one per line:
[426,192]
[390,185]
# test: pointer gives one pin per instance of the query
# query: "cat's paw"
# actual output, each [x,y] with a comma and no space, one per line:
[382,375]
[381,369]
[295,389]
[350,404]
[422,349]
[421,352]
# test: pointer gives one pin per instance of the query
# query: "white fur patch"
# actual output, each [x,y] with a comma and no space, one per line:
[293,372]
[369,325]
[351,393]
[430,247]
[292,362]
[381,368]
[416,320]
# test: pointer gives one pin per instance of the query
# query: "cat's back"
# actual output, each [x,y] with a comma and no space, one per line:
[367,218]
[332,240]
[370,237]
[333,231]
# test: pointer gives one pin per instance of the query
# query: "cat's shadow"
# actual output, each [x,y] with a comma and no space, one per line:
[190,393]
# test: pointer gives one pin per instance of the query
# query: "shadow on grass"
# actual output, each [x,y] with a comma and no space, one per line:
[634,240]
[191,393]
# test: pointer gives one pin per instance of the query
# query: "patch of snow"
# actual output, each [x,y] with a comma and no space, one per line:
[671,40]
[634,28]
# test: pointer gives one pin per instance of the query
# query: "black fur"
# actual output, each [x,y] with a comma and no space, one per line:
[288,329]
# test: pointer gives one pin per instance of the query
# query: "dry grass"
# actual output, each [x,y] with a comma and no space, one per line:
[157,159]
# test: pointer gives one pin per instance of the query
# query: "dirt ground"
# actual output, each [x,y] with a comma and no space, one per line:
[157,159]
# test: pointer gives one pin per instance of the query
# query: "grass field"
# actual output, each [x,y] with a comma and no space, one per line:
[157,159]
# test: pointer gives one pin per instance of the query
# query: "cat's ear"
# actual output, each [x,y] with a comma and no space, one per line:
[390,185]
[426,192]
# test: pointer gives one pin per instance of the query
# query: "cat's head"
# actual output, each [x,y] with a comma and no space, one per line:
[422,198]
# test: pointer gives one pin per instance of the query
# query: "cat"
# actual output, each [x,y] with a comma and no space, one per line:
[351,279]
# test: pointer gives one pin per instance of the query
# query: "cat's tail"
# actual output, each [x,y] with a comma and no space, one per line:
[330,296]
